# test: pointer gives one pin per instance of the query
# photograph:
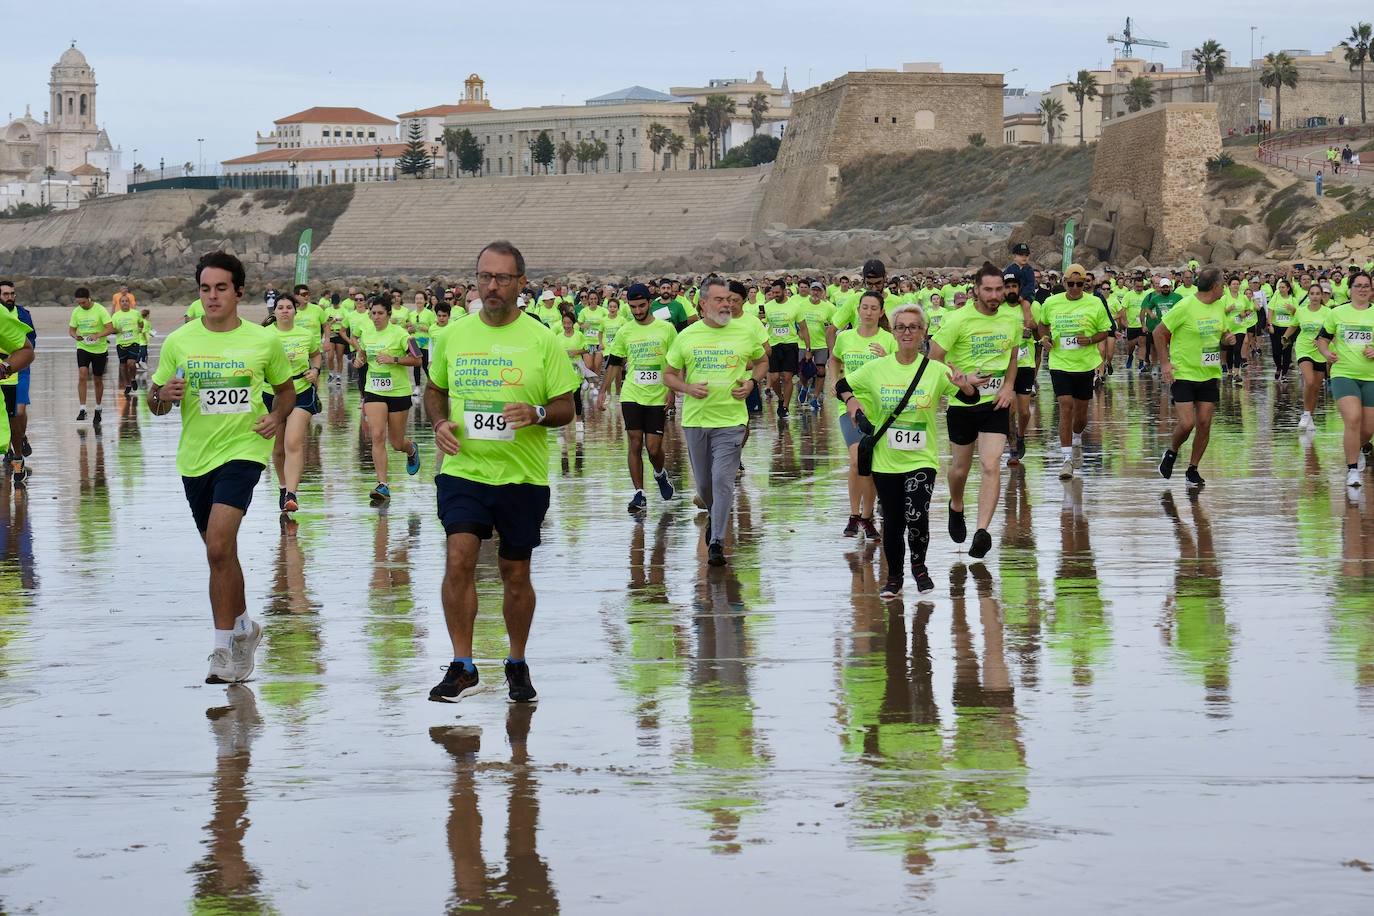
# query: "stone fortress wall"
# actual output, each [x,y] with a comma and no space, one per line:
[868,113]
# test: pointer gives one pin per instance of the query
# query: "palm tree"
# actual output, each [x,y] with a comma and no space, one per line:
[188,168]
[566,153]
[450,139]
[1052,114]
[599,151]
[1082,88]
[1357,52]
[699,146]
[676,143]
[657,136]
[1210,61]
[1279,71]
[758,107]
[1140,93]
[720,109]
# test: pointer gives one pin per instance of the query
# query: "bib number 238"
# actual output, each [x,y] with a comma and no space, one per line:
[485,420]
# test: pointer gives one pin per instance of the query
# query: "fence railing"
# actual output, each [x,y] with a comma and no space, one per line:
[1269,151]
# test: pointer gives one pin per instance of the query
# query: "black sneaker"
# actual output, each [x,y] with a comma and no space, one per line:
[281,499]
[715,554]
[27,449]
[851,530]
[638,503]
[665,487]
[518,680]
[1194,478]
[782,412]
[957,529]
[1166,464]
[458,682]
[892,588]
[1020,448]
[982,543]
[924,584]
[81,415]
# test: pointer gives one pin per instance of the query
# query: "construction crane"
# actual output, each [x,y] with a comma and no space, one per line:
[1128,41]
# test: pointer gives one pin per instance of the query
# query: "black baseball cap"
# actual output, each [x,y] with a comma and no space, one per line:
[637,291]
[874,268]
[1020,248]
[1009,276]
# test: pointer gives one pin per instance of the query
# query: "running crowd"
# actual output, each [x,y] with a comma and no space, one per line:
[499,363]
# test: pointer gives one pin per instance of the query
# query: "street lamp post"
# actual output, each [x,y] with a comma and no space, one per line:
[161,168]
[293,163]
[530,143]
[200,155]
[619,149]
[378,151]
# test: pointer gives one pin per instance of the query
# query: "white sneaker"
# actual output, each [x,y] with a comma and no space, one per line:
[1078,456]
[579,432]
[221,668]
[1305,421]
[245,647]
[1352,478]
[1066,469]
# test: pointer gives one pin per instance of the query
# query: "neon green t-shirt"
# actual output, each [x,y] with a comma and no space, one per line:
[612,325]
[645,350]
[1310,323]
[782,320]
[1282,310]
[145,330]
[1025,352]
[126,327]
[717,358]
[423,321]
[226,374]
[1352,330]
[195,310]
[90,327]
[817,315]
[1197,329]
[592,322]
[980,344]
[298,343]
[910,442]
[574,344]
[311,316]
[357,322]
[13,335]
[390,379]
[483,368]
[1130,300]
[853,350]
[401,317]
[1069,320]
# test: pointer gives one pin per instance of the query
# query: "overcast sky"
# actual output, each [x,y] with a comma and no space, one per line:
[169,73]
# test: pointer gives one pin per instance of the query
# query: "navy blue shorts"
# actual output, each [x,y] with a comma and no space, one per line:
[514,510]
[307,400]
[231,484]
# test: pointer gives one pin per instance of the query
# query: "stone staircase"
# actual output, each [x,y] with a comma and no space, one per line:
[560,222]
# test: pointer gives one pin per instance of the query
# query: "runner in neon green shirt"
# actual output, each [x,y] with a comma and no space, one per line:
[787,331]
[816,312]
[639,353]
[1019,306]
[302,347]
[386,352]
[18,354]
[126,323]
[1300,339]
[1189,341]
[1071,325]
[1347,342]
[591,321]
[90,327]
[218,368]
[1127,303]
[496,396]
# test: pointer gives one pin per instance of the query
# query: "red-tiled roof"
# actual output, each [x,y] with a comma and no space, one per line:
[441,111]
[359,151]
[319,115]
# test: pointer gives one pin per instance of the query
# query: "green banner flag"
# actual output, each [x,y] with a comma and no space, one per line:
[303,258]
[1069,242]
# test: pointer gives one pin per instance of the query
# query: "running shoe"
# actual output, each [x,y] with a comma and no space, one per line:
[1352,478]
[27,449]
[870,530]
[815,404]
[380,493]
[413,459]
[21,476]
[290,503]
[1361,461]
[851,530]
[458,682]
[1078,455]
[982,543]
[1194,478]
[715,554]
[1166,463]
[520,688]
[665,486]
[782,411]
[924,584]
[1305,421]
[128,390]
[638,503]
[891,589]
[81,415]
[1066,469]
[221,668]
[281,499]
[957,529]
[244,649]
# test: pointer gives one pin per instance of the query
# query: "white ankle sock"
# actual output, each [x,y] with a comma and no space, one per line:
[241,623]
[224,639]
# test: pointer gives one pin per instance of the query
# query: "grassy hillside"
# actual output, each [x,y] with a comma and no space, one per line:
[944,187]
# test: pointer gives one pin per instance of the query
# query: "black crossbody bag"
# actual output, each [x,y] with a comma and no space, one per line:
[867,443]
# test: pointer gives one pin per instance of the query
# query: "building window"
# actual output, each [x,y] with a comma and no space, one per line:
[69,104]
[634,162]
[894,120]
[348,134]
[563,135]
[500,166]
[371,135]
[634,132]
[83,104]
[579,135]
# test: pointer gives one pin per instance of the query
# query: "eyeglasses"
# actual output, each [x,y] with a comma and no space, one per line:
[486,279]
[906,329]
[1074,283]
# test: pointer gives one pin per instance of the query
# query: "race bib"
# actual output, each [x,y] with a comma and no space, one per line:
[664,313]
[226,395]
[649,375]
[906,437]
[1211,358]
[484,420]
[592,334]
[379,382]
[1357,337]
[1069,343]
[126,337]
[990,387]
[780,330]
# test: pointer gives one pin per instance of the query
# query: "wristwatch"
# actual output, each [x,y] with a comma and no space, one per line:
[539,414]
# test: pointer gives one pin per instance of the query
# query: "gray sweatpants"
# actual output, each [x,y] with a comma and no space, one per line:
[714,455]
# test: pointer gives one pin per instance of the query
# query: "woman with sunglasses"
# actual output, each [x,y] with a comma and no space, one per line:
[1347,342]
[905,459]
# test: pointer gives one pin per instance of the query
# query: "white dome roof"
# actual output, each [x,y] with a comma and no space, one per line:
[72,58]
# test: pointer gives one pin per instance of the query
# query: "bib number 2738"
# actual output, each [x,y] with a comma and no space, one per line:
[485,420]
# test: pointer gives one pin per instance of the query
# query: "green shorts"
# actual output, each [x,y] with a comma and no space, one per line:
[1353,388]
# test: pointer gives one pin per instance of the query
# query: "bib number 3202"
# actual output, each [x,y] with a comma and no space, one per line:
[226,396]
[485,420]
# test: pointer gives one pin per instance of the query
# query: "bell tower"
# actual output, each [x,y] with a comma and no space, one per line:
[72,127]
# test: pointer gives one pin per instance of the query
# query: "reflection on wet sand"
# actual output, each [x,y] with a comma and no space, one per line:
[725,750]
[1018,568]
[392,627]
[293,663]
[1352,606]
[524,886]
[1194,621]
[94,527]
[1079,632]
[225,882]
[18,582]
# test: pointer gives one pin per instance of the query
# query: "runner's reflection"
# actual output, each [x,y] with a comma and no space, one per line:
[1352,606]
[1019,571]
[18,577]
[525,885]
[1079,632]
[293,661]
[1194,613]
[94,523]
[391,627]
[652,640]
[225,882]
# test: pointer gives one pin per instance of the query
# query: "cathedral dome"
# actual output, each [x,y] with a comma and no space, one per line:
[72,58]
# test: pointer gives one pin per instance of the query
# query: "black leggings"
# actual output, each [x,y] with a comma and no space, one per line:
[1236,352]
[1282,352]
[905,500]
[577,401]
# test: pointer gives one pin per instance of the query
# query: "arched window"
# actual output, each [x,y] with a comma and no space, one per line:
[83,104]
[69,105]
[925,119]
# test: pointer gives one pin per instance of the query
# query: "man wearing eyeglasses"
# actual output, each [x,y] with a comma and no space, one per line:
[494,397]
[1071,325]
